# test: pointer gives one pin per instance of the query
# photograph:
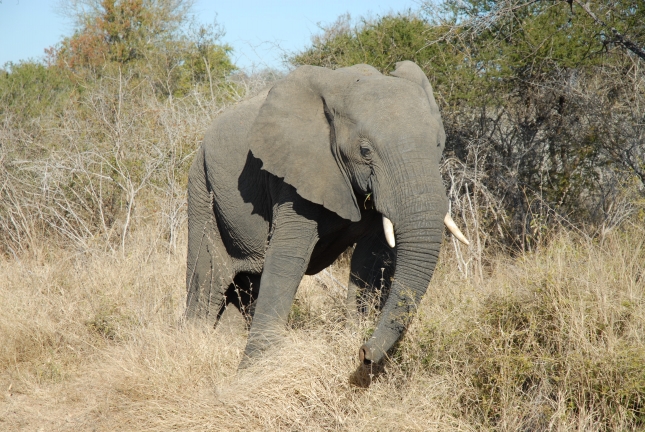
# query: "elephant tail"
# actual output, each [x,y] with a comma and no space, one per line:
[209,270]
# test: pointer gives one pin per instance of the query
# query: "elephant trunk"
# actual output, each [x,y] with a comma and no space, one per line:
[418,229]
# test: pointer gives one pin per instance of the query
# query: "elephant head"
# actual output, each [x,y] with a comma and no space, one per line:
[339,136]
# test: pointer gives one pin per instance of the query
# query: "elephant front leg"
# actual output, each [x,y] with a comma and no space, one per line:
[372,267]
[287,257]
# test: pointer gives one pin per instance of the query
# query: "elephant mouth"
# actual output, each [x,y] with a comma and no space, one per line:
[388,229]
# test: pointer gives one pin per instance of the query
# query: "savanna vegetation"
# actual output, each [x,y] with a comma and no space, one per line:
[537,326]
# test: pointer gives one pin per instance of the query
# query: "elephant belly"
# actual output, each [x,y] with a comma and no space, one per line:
[332,244]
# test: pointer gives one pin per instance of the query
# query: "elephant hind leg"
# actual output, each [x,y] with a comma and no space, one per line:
[372,268]
[210,269]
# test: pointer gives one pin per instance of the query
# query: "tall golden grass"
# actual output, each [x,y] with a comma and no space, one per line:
[551,340]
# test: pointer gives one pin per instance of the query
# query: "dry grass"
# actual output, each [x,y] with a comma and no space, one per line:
[551,340]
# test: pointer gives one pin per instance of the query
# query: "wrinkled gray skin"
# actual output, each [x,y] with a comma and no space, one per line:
[278,190]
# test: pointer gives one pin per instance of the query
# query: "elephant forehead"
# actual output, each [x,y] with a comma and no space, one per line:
[393,118]
[361,69]
[406,133]
[408,140]
[393,96]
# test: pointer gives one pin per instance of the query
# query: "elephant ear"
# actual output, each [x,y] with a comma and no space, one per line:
[411,72]
[292,137]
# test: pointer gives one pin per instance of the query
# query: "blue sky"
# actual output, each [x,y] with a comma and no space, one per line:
[259,31]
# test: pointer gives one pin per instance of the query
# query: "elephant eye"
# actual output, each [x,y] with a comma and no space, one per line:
[366,152]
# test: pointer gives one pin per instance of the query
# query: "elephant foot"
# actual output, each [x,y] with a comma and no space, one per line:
[259,346]
[251,358]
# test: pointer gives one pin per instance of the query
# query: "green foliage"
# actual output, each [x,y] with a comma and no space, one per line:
[204,61]
[379,43]
[526,40]
[30,90]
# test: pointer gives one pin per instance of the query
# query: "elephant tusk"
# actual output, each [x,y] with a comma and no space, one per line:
[452,226]
[388,228]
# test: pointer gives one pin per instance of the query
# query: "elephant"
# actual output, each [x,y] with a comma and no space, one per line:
[286,181]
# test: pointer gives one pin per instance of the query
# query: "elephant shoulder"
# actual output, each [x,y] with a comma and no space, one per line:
[229,129]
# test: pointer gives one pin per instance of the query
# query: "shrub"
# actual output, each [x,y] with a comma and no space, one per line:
[551,336]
